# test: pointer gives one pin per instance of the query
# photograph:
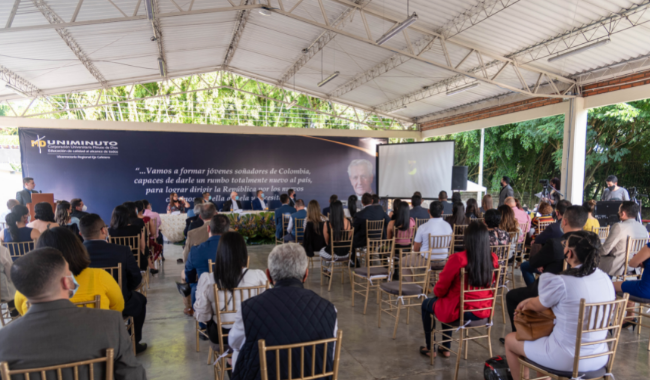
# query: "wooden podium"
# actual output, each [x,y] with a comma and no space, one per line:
[38,198]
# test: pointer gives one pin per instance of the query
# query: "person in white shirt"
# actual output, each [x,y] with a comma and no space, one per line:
[230,272]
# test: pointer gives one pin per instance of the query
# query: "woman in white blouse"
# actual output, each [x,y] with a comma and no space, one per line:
[562,294]
[230,272]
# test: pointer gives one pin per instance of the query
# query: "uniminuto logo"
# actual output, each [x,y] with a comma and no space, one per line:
[39,142]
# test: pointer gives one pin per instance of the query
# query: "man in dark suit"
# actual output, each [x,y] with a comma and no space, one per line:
[417,212]
[55,331]
[258,203]
[506,190]
[284,209]
[369,212]
[78,208]
[448,208]
[232,204]
[326,210]
[24,196]
[105,255]
[198,202]
[292,197]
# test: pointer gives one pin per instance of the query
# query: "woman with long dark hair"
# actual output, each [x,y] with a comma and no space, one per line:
[230,272]
[497,235]
[177,203]
[479,264]
[314,241]
[458,215]
[554,196]
[473,211]
[63,218]
[121,226]
[133,214]
[396,203]
[352,205]
[405,226]
[43,217]
[334,228]
[90,281]
[562,293]
[17,230]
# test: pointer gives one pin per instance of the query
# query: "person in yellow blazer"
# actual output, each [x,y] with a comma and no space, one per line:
[592,224]
[91,281]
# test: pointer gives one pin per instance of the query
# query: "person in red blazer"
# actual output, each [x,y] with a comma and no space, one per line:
[479,263]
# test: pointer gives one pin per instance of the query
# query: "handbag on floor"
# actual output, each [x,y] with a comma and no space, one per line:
[532,325]
[496,369]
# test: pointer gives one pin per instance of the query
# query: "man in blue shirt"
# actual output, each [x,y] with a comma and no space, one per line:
[292,229]
[197,260]
[284,209]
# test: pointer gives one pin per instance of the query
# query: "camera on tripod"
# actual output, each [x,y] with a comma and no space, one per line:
[543,182]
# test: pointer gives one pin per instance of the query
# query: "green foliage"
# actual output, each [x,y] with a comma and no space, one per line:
[256,228]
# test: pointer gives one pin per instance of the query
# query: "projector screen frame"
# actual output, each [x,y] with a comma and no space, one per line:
[408,143]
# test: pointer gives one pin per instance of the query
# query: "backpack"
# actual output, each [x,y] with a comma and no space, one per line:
[496,368]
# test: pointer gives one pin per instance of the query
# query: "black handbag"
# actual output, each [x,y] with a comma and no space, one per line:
[496,368]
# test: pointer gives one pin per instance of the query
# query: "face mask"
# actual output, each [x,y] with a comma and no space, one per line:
[29,218]
[84,208]
[76,286]
[262,196]
[611,188]
[210,197]
[237,198]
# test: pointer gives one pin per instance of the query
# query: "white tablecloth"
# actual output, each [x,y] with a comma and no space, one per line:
[172,226]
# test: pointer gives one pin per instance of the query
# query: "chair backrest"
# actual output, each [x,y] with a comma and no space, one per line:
[459,235]
[603,232]
[419,222]
[300,229]
[632,248]
[420,269]
[345,241]
[210,266]
[514,238]
[116,272]
[133,242]
[374,229]
[94,304]
[523,227]
[403,235]
[541,226]
[441,242]
[18,249]
[502,252]
[380,255]
[69,369]
[300,348]
[465,290]
[599,317]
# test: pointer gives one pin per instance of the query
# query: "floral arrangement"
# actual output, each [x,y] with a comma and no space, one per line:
[255,228]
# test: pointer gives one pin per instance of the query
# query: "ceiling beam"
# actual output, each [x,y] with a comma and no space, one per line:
[54,19]
[241,19]
[20,84]
[12,14]
[157,33]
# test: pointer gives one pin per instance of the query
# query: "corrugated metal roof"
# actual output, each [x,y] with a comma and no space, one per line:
[196,40]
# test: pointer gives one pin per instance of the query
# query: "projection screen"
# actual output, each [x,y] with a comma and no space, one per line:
[406,168]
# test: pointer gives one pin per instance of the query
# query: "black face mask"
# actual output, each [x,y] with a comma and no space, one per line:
[611,188]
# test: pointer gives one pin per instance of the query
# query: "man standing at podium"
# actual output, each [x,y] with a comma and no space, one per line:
[25,196]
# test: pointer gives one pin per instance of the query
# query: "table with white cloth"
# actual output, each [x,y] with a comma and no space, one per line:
[172,226]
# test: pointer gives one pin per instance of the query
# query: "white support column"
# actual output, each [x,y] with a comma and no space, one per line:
[480,165]
[573,151]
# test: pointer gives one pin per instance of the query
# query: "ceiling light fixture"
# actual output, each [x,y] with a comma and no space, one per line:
[397,28]
[161,66]
[149,8]
[16,90]
[462,89]
[580,50]
[329,78]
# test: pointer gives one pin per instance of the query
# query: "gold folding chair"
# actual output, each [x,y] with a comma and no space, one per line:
[5,313]
[300,229]
[459,236]
[19,249]
[116,272]
[328,267]
[221,365]
[633,246]
[69,369]
[419,222]
[438,243]
[307,358]
[463,327]
[94,304]
[375,229]
[379,266]
[541,226]
[502,252]
[593,318]
[133,242]
[603,232]
[514,247]
[285,225]
[408,288]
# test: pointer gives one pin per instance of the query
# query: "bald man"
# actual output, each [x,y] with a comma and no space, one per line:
[232,204]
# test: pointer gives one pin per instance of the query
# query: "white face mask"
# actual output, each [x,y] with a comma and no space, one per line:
[84,208]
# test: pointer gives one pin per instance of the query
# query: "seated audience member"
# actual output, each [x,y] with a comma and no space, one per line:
[193,221]
[292,227]
[287,271]
[550,259]
[230,272]
[7,289]
[521,217]
[78,210]
[121,227]
[292,197]
[177,204]
[150,228]
[592,223]
[148,211]
[393,213]
[472,211]
[326,210]
[198,232]
[479,264]
[232,204]
[314,241]
[456,198]
[134,220]
[486,203]
[545,210]
[637,288]
[418,212]
[497,235]
[10,204]
[404,224]
[352,207]
[192,212]
[368,213]
[63,218]
[375,199]
[207,198]
[17,230]
[197,261]
[612,261]
[89,281]
[285,209]
[332,229]
[458,218]
[563,293]
[106,255]
[43,217]
[554,230]
[436,226]
[258,203]
[55,331]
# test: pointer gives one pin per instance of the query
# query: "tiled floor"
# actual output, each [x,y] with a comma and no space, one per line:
[368,352]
